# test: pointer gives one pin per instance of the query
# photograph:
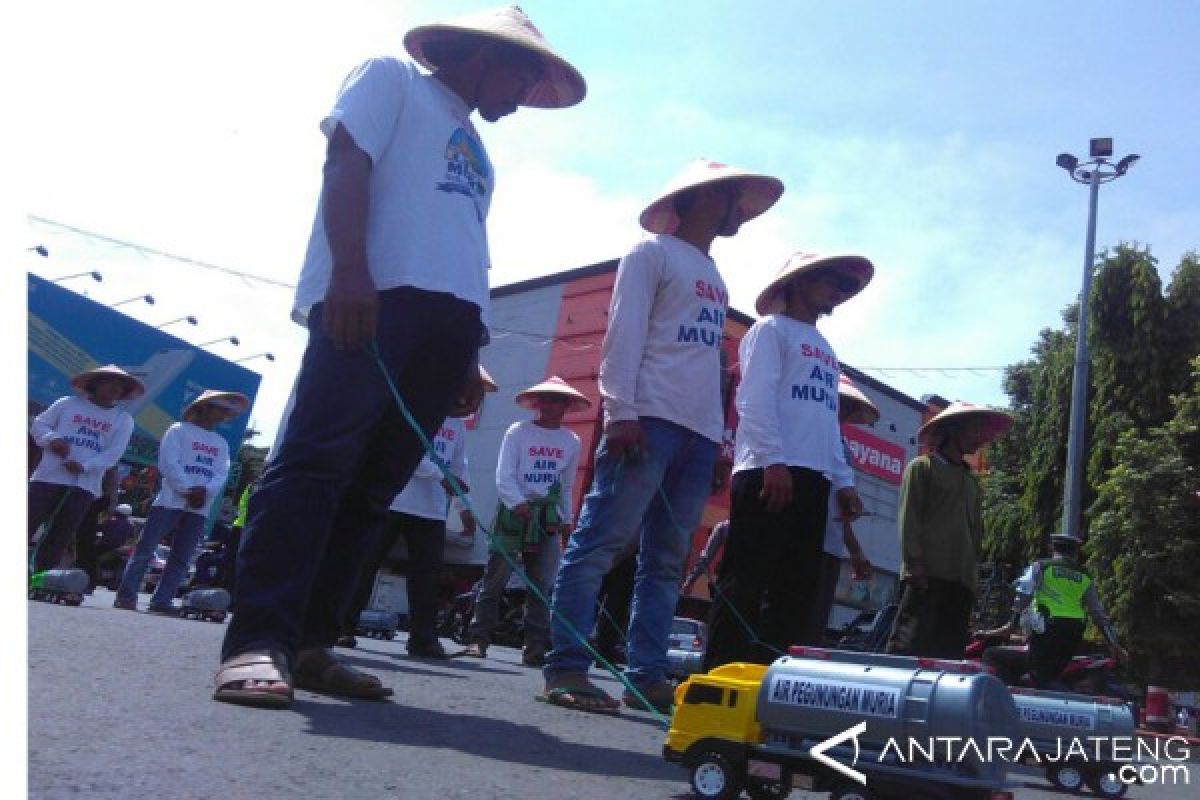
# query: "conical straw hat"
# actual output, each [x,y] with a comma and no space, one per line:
[553,385]
[561,85]
[770,300]
[757,193]
[133,387]
[232,403]
[865,412]
[996,422]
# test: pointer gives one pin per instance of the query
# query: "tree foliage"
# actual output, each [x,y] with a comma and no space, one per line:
[1140,450]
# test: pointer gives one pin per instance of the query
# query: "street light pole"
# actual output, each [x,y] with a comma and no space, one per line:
[1093,173]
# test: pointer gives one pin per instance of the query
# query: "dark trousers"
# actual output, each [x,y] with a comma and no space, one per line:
[1051,650]
[228,569]
[85,539]
[344,453]
[61,508]
[933,622]
[616,593]
[823,595]
[426,543]
[766,579]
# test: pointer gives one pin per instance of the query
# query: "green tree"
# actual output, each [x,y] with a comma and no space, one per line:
[1144,546]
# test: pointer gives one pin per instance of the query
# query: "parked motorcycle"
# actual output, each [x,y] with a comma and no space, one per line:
[1085,674]
[455,619]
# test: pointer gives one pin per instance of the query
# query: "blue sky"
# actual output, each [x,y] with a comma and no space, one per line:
[922,135]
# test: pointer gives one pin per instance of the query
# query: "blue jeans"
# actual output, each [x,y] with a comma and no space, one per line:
[344,453]
[187,526]
[622,505]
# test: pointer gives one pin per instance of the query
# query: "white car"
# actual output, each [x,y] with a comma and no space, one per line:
[685,647]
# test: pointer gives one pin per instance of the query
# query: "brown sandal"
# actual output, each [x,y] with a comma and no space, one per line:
[261,666]
[319,670]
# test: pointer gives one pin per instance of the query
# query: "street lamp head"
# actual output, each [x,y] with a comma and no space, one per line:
[1067,162]
[192,320]
[233,340]
[149,299]
[96,276]
[40,250]
[1100,148]
[270,356]
[1125,163]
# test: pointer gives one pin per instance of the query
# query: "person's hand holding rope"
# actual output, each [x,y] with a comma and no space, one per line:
[625,438]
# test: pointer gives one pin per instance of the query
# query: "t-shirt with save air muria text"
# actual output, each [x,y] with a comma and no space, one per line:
[191,456]
[97,437]
[532,459]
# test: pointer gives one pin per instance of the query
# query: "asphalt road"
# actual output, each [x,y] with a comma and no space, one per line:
[120,706]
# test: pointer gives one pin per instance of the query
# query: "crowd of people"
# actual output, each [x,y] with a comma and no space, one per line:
[394,294]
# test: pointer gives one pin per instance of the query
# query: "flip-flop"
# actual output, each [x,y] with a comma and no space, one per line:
[320,671]
[255,665]
[661,698]
[559,696]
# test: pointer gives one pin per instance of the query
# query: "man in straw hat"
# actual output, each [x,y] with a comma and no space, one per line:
[660,378]
[535,476]
[81,438]
[789,454]
[193,460]
[419,515]
[396,274]
[941,528]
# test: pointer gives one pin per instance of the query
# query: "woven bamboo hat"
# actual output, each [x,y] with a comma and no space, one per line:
[489,385]
[561,84]
[553,385]
[757,193]
[864,411]
[858,268]
[133,387]
[996,422]
[232,403]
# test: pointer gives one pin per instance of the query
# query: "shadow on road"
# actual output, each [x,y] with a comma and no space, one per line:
[487,738]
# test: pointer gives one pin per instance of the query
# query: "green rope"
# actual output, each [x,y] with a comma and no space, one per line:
[456,486]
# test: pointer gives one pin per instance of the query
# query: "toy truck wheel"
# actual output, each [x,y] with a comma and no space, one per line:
[1068,777]
[74,599]
[714,778]
[1106,783]
[851,791]
[770,790]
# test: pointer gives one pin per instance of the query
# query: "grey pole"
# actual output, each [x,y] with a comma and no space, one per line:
[1079,380]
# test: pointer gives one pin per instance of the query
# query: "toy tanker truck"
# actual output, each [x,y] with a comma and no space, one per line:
[206,604]
[1074,738]
[65,586]
[377,624]
[768,729]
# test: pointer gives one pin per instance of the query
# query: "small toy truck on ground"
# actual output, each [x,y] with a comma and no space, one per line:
[378,624]
[65,586]
[755,727]
[206,604]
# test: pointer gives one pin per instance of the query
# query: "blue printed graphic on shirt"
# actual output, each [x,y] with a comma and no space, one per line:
[709,324]
[467,169]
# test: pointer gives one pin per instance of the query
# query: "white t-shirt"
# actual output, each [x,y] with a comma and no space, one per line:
[662,351]
[191,456]
[430,187]
[532,459]
[97,436]
[787,401]
[424,496]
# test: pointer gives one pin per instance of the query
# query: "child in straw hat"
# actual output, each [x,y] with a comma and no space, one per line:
[418,513]
[81,437]
[193,460]
[941,530]
[660,379]
[398,257]
[789,456]
[535,476]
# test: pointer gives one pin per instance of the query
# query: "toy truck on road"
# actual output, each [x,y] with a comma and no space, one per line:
[755,727]
[65,586]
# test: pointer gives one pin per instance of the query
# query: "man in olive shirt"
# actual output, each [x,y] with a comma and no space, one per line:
[940,532]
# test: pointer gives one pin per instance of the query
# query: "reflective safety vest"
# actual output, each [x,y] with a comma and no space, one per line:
[1062,587]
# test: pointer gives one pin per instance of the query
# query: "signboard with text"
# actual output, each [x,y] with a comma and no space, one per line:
[873,455]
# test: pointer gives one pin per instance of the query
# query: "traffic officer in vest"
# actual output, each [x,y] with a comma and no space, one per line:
[1052,611]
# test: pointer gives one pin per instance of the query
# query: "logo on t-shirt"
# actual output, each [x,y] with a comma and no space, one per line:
[467,169]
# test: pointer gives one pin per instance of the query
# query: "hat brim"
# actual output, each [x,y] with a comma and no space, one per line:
[561,85]
[770,300]
[133,387]
[756,194]
[528,399]
[996,424]
[864,413]
[232,403]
